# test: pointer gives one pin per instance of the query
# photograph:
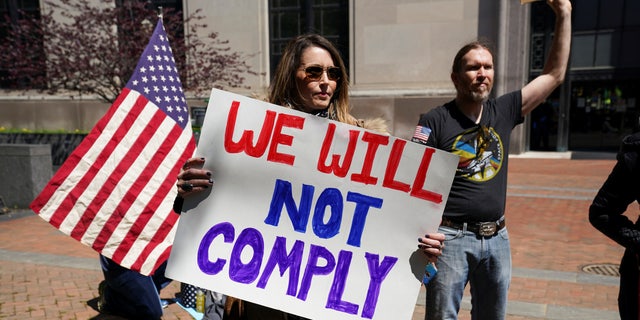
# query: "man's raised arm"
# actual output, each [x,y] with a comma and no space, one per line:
[536,91]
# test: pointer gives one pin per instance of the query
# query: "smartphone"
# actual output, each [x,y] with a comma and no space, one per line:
[430,271]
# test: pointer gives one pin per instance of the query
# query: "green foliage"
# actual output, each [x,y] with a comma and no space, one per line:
[25,130]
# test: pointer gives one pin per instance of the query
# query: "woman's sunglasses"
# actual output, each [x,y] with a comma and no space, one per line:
[314,73]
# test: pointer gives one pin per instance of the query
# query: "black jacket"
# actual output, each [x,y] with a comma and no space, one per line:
[621,188]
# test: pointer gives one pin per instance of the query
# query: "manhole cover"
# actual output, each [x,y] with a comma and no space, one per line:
[603,269]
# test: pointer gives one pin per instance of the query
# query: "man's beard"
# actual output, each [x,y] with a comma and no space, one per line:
[476,96]
[479,96]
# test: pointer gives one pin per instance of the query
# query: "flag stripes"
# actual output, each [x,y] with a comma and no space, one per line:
[116,190]
[120,223]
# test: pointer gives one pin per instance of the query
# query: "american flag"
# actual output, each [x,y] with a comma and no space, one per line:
[115,192]
[421,134]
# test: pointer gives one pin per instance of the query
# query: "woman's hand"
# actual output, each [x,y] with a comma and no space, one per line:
[193,178]
[431,245]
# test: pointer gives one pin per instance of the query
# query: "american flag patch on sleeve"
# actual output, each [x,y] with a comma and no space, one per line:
[421,134]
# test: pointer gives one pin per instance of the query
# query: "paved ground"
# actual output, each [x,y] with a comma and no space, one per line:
[47,275]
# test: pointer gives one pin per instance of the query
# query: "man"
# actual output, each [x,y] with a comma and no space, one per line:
[478,129]
[607,215]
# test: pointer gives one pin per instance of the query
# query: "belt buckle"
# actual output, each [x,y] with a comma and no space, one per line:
[487,229]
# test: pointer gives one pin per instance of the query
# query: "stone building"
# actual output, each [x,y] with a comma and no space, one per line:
[399,55]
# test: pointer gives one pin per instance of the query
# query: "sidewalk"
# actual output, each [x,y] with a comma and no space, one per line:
[47,275]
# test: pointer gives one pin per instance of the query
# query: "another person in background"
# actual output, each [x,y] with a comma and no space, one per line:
[541,121]
[130,294]
[606,214]
[311,77]
[478,129]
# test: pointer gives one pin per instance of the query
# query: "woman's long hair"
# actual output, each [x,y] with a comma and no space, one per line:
[284,89]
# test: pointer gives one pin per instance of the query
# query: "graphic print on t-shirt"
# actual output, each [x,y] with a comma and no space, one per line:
[481,153]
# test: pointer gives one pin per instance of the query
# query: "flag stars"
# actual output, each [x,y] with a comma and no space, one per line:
[158,79]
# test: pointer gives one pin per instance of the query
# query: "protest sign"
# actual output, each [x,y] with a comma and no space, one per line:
[308,215]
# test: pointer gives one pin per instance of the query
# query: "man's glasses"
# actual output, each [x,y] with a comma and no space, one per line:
[314,73]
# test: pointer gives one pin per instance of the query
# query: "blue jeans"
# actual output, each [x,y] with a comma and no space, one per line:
[131,294]
[485,263]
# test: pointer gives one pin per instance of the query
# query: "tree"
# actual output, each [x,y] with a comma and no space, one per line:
[94,48]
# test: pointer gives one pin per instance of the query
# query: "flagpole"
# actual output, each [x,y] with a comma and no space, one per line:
[160,12]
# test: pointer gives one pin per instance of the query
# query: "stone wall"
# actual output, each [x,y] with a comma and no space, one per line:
[61,144]
[25,169]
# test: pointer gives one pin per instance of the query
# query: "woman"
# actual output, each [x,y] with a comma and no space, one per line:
[319,86]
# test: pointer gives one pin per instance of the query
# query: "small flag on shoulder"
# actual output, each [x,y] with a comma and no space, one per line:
[421,134]
[115,192]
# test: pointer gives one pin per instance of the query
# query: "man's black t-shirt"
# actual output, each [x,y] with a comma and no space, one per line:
[479,188]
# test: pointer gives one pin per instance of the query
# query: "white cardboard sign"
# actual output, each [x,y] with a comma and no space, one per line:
[308,215]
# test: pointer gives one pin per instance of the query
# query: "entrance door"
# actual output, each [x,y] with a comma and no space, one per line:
[602,113]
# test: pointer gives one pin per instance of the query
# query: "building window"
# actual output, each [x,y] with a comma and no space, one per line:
[605,34]
[15,12]
[602,103]
[174,7]
[290,18]
[583,50]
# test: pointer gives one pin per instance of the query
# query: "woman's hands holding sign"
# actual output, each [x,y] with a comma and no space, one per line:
[193,178]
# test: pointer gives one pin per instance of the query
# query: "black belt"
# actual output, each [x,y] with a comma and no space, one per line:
[483,229]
